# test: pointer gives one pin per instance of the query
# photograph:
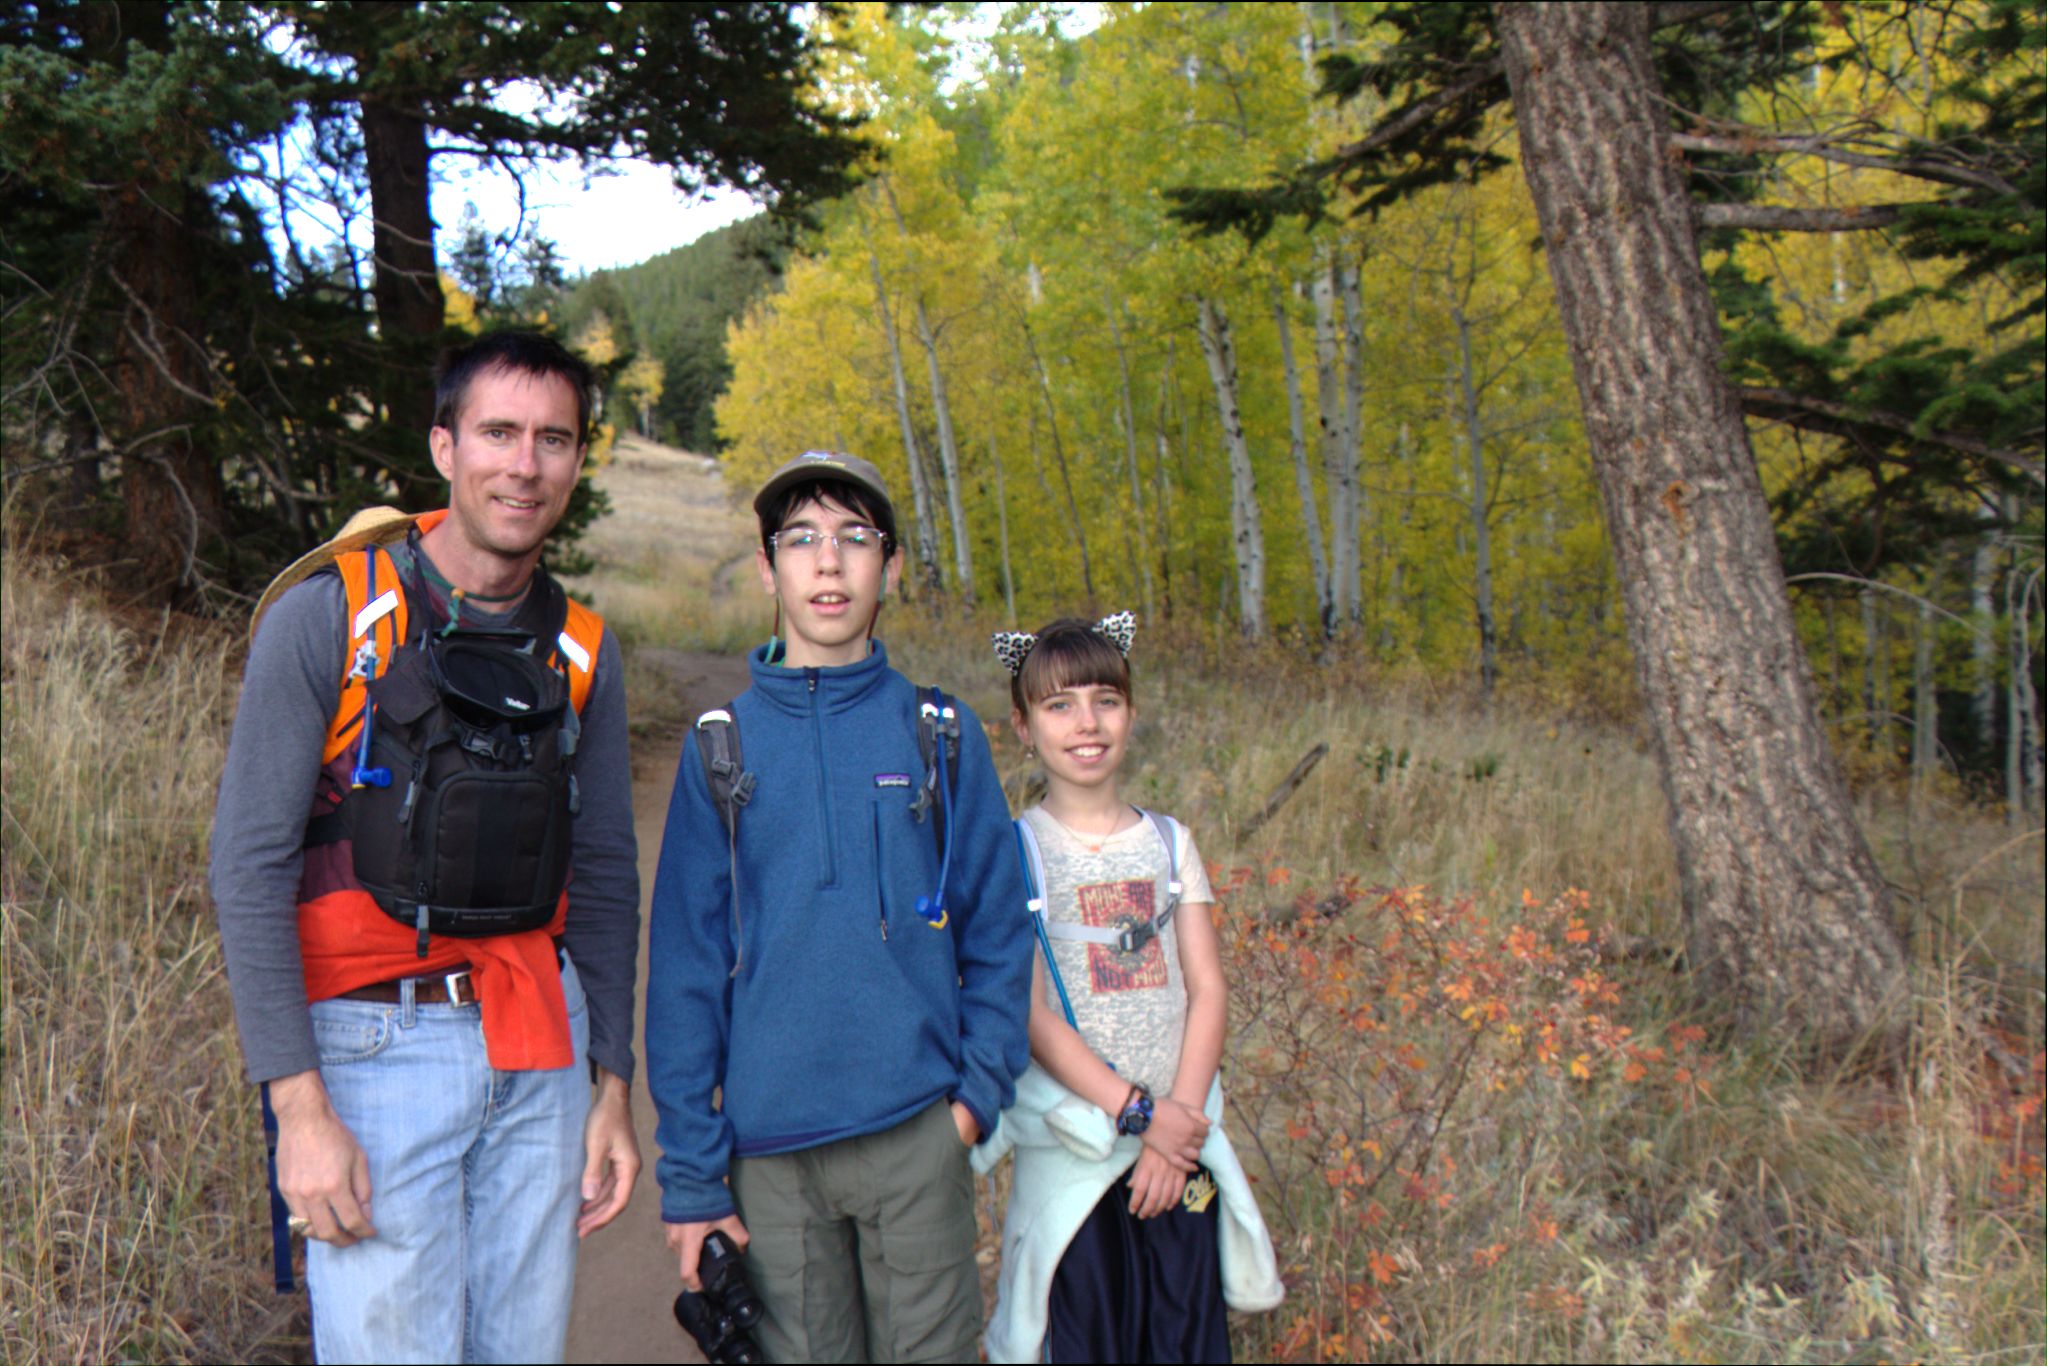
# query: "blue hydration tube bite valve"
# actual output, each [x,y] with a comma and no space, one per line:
[932,907]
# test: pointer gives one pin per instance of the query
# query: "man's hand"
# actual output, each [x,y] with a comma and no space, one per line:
[1176,1133]
[1155,1185]
[687,1241]
[611,1155]
[322,1172]
[963,1120]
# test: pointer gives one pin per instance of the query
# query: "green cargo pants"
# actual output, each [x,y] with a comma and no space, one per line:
[863,1250]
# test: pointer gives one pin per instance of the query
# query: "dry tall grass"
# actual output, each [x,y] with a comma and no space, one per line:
[1770,1216]
[131,1219]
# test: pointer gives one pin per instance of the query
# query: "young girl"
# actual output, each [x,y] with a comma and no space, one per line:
[1130,1222]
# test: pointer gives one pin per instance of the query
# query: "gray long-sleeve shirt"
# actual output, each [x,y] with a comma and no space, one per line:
[289,692]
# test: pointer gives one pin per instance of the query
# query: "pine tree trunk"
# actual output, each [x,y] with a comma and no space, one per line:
[926,541]
[1786,913]
[1304,483]
[1247,534]
[948,459]
[407,283]
[1481,527]
[173,496]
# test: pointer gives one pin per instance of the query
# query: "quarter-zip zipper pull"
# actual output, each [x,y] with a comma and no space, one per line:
[811,675]
[884,927]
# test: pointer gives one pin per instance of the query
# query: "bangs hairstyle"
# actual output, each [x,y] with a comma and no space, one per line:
[1069,654]
[854,498]
[514,352]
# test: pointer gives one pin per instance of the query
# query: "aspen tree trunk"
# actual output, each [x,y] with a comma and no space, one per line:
[1786,913]
[1246,532]
[1140,549]
[1304,483]
[1395,583]
[948,459]
[1329,411]
[920,491]
[1925,707]
[1087,570]
[1348,496]
[1983,644]
[2022,719]
[1481,529]
[1002,528]
[1159,487]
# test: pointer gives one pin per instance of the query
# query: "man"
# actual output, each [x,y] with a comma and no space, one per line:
[437,1138]
[853,998]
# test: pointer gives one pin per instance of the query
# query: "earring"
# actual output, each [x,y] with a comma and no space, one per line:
[1030,751]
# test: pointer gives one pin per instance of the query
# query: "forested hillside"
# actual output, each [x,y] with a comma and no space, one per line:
[674,310]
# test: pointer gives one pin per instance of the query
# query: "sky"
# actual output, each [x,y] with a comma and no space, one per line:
[596,221]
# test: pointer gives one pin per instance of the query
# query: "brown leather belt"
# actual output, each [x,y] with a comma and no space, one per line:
[454,989]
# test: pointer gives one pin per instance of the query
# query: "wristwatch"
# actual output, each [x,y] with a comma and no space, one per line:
[1136,1115]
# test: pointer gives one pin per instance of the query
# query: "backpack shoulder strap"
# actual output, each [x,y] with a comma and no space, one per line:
[378,614]
[724,769]
[572,635]
[1168,831]
[938,718]
[1033,859]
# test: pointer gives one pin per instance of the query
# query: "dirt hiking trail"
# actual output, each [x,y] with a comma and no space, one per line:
[625,1277]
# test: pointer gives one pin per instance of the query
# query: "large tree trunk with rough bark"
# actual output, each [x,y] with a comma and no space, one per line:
[407,286]
[1786,914]
[173,496]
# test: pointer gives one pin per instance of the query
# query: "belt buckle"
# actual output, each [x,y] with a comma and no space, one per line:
[454,983]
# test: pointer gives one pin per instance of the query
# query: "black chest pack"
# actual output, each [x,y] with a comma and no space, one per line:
[464,788]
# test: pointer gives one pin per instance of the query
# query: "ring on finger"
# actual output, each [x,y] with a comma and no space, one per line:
[298,1224]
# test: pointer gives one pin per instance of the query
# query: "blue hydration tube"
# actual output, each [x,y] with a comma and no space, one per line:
[1035,892]
[932,907]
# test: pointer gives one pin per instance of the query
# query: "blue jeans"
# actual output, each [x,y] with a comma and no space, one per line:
[475,1180]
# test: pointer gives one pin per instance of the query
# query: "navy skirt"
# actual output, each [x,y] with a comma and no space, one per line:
[1141,1290]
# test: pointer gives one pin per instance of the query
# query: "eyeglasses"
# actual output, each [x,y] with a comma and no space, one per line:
[853,542]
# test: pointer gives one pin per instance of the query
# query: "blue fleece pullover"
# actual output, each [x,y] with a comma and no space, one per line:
[849,1013]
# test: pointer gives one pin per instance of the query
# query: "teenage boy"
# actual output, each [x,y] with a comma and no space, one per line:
[439,1143]
[814,1034]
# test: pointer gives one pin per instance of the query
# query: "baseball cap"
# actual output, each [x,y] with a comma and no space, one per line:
[814,465]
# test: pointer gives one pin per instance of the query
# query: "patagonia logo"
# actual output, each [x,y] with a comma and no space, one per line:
[891,780]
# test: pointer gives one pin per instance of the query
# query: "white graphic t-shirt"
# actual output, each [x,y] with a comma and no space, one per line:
[1131,1008]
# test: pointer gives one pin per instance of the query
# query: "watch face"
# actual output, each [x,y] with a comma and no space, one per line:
[1136,1116]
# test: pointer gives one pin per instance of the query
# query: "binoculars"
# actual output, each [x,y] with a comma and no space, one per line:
[721,1316]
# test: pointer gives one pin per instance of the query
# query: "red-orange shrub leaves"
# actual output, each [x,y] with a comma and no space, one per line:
[1376,1030]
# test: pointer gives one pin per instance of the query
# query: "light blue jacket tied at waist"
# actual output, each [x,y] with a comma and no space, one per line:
[1068,1155]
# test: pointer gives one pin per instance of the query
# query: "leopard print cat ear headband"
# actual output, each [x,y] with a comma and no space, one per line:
[1013,647]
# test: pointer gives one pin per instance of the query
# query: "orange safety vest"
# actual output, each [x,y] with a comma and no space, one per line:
[346,939]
